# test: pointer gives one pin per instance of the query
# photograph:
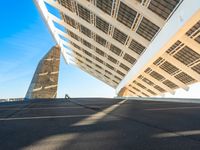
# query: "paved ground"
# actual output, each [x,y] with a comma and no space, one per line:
[99,124]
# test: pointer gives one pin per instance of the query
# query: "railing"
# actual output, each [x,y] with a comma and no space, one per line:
[11,99]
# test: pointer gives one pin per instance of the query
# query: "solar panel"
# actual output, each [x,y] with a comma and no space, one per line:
[186,55]
[169,68]
[163,8]
[147,29]
[105,5]
[129,58]
[102,25]
[119,36]
[185,78]
[136,47]
[126,15]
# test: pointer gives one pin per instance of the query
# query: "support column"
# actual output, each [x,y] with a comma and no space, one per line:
[45,80]
[123,92]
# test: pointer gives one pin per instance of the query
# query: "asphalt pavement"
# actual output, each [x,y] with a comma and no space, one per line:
[99,124]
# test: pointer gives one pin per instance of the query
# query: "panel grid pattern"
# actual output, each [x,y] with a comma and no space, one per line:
[85,31]
[126,15]
[84,13]
[187,56]
[193,29]
[159,88]
[100,40]
[169,68]
[170,84]
[182,56]
[107,51]
[69,21]
[129,58]
[124,67]
[185,78]
[105,5]
[119,36]
[163,7]
[197,39]
[147,29]
[173,48]
[89,63]
[196,68]
[102,25]
[66,3]
[157,76]
[115,50]
[136,47]
[112,59]
[148,81]
[150,91]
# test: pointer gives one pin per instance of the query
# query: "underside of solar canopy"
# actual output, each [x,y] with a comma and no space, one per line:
[139,47]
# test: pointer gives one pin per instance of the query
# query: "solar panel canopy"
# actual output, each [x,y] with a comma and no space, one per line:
[139,47]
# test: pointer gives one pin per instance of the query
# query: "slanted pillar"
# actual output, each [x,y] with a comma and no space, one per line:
[45,80]
[123,92]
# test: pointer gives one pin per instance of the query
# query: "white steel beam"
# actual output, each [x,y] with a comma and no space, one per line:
[44,12]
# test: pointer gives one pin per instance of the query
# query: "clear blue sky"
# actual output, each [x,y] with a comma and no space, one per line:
[24,39]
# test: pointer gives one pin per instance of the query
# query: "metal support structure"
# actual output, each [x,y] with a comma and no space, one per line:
[45,80]
[127,47]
